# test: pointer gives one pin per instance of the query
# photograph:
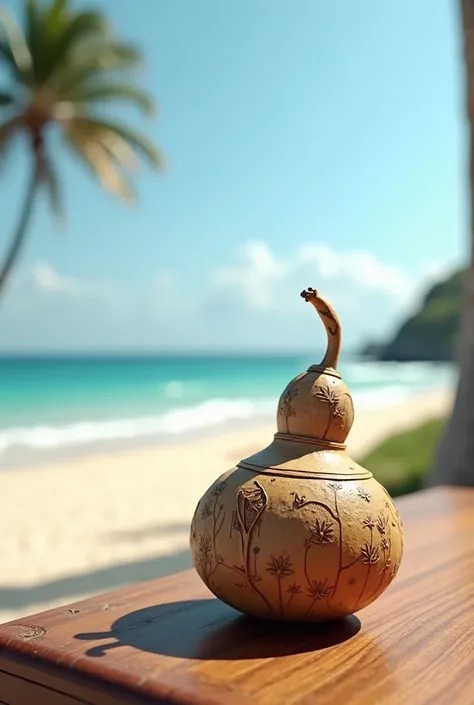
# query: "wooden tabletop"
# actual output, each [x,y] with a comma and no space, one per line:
[171,641]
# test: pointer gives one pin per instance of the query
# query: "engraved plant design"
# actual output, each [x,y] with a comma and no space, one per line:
[234,523]
[255,551]
[246,518]
[327,313]
[382,524]
[217,513]
[319,590]
[251,503]
[364,494]
[383,527]
[325,534]
[322,532]
[329,396]
[204,554]
[219,488]
[335,486]
[208,558]
[293,590]
[280,568]
[206,511]
[369,554]
[369,522]
[286,406]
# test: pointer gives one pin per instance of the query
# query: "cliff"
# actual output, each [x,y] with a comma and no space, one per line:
[431,333]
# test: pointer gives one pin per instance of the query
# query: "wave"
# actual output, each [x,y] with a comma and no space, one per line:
[174,422]
[213,412]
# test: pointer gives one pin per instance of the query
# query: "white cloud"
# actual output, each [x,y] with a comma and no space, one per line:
[47,280]
[252,276]
[260,279]
[362,267]
[371,295]
[249,303]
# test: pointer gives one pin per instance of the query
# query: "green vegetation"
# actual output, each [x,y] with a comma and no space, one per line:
[402,461]
[431,334]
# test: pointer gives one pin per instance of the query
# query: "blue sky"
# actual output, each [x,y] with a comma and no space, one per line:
[308,143]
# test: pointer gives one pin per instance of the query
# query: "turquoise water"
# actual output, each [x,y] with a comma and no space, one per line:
[58,402]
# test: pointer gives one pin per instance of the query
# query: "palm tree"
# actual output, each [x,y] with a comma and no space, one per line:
[62,64]
[454,463]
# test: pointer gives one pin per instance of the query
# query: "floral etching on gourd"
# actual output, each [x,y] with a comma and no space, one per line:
[371,553]
[251,503]
[323,540]
[319,590]
[280,568]
[322,534]
[336,407]
[334,328]
[287,408]
[208,559]
[293,590]
[246,521]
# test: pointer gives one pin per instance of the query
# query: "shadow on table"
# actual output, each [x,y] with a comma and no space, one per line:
[95,581]
[209,629]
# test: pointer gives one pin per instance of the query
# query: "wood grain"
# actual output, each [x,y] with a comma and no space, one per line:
[170,641]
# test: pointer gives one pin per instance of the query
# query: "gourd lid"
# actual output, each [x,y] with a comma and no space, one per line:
[315,414]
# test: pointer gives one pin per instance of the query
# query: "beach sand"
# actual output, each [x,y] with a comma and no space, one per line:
[91,524]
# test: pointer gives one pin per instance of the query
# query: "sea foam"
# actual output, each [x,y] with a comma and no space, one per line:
[213,413]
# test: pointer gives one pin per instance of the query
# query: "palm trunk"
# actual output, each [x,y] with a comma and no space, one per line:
[22,227]
[454,463]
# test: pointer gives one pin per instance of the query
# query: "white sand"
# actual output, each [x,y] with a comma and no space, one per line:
[92,524]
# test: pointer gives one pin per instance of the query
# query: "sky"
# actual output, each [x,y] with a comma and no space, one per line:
[307,143]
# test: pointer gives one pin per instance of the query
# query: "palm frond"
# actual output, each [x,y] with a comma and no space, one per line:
[50,180]
[53,31]
[86,65]
[55,16]
[117,147]
[13,47]
[125,54]
[8,130]
[98,159]
[33,24]
[107,52]
[69,61]
[140,144]
[6,99]
[63,35]
[101,92]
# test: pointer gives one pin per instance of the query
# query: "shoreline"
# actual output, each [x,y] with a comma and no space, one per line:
[41,455]
[90,524]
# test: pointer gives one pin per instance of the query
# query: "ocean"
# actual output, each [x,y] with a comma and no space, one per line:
[55,406]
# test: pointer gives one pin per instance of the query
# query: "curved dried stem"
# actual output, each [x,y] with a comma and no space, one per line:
[331,323]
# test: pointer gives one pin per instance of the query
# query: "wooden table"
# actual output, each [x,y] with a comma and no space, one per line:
[170,641]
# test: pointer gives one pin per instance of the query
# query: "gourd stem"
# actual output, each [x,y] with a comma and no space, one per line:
[331,323]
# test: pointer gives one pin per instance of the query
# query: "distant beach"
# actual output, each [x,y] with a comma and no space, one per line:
[82,525]
[54,408]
